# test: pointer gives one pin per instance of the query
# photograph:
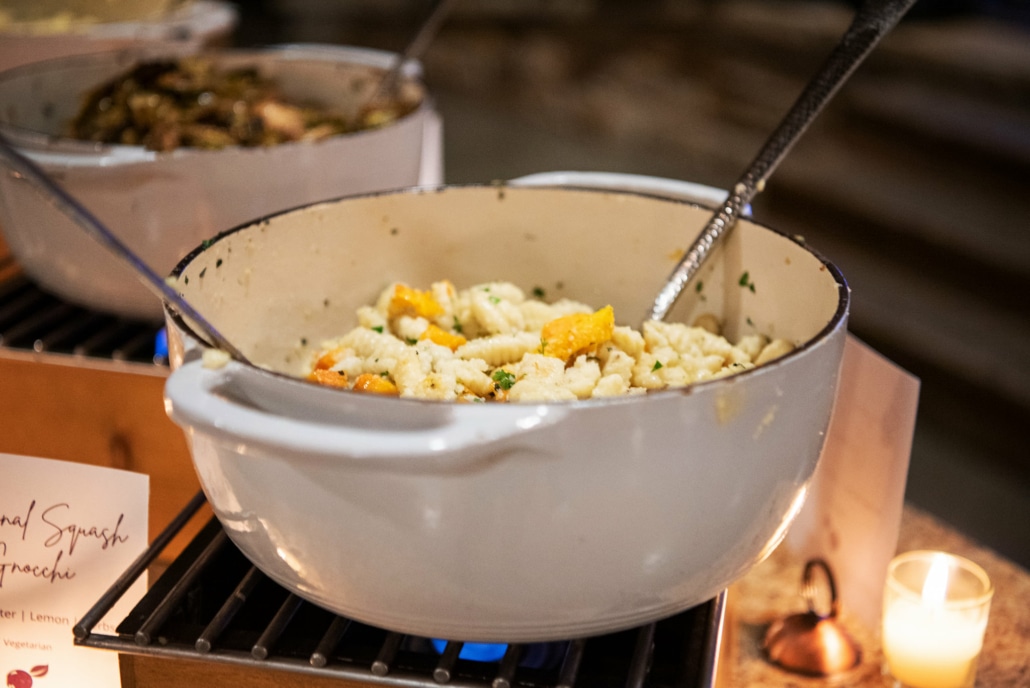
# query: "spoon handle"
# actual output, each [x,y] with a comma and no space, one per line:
[423,37]
[100,233]
[874,19]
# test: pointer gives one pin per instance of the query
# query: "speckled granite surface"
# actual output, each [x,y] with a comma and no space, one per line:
[770,591]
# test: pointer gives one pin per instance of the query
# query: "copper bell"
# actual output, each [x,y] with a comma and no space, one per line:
[812,643]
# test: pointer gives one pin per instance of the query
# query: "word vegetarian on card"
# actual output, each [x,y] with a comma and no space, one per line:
[67,531]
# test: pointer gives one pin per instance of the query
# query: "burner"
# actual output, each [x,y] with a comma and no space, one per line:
[212,605]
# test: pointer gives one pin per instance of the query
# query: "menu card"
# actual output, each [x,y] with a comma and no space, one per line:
[67,532]
[852,515]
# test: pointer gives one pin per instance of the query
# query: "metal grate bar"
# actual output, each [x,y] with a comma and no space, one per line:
[103,342]
[642,653]
[84,627]
[387,653]
[24,331]
[270,636]
[228,611]
[138,344]
[445,667]
[157,619]
[18,306]
[330,641]
[509,664]
[33,320]
[570,665]
[75,327]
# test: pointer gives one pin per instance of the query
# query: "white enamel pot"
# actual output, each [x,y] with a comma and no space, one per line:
[162,204]
[494,522]
[51,30]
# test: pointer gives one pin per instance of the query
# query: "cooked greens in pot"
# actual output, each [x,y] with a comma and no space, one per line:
[167,104]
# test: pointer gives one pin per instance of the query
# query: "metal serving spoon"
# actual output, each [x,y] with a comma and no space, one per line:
[98,231]
[386,89]
[874,19]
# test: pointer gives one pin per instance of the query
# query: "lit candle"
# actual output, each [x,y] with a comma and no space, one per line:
[935,614]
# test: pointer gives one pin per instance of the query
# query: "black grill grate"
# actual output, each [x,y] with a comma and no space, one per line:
[212,604]
[34,321]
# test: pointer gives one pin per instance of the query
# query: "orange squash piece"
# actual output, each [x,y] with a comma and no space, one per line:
[332,378]
[570,335]
[442,337]
[327,360]
[374,384]
[413,303]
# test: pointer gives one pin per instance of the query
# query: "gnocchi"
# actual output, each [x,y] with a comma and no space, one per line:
[491,343]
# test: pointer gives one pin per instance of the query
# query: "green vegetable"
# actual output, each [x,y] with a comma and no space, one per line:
[657,365]
[503,378]
[745,281]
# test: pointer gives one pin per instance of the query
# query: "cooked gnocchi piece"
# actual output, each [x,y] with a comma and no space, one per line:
[491,343]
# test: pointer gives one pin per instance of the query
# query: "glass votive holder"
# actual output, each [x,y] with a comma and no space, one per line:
[935,610]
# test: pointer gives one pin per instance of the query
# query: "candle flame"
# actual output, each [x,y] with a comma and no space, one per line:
[935,587]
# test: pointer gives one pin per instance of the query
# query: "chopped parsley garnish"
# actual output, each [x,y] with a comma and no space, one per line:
[699,286]
[538,292]
[202,273]
[657,365]
[218,263]
[457,325]
[745,281]
[378,328]
[503,378]
[495,299]
[411,340]
[749,321]
[384,374]
[303,341]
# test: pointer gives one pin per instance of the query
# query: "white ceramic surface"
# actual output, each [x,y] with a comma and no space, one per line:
[661,186]
[164,204]
[189,26]
[494,522]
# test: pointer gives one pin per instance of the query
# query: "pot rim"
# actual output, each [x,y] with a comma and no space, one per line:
[207,14]
[67,151]
[835,322]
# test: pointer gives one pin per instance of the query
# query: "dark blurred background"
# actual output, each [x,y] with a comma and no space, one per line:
[915,181]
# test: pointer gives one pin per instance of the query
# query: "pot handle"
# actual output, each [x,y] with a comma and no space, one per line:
[197,397]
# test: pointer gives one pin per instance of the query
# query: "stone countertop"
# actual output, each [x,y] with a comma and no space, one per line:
[770,591]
